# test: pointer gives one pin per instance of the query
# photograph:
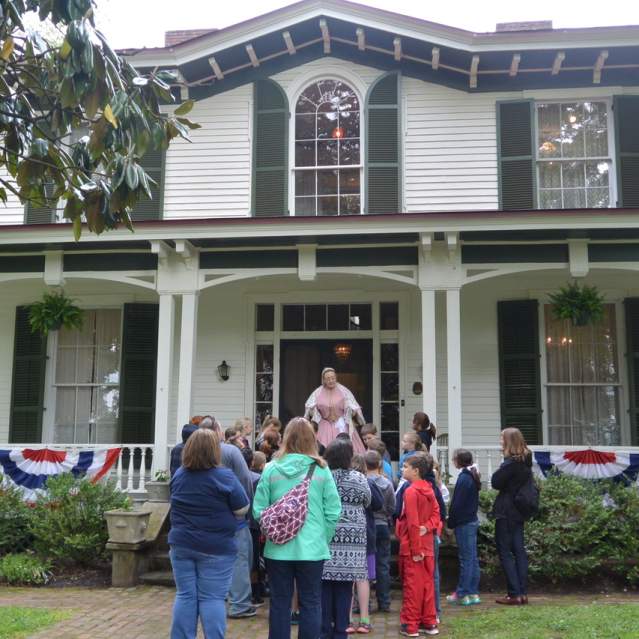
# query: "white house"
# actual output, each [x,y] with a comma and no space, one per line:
[388,195]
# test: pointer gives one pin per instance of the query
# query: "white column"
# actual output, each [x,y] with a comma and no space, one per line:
[163,381]
[188,338]
[453,350]
[429,355]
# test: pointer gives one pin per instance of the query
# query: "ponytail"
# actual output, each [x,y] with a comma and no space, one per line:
[464,458]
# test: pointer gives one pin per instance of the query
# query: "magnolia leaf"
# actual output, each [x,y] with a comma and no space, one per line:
[187,122]
[77,228]
[7,48]
[108,114]
[185,107]
[140,82]
[65,50]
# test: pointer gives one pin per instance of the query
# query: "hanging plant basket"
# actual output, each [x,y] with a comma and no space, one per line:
[582,305]
[53,312]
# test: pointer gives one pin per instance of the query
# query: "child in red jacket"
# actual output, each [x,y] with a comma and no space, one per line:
[415,529]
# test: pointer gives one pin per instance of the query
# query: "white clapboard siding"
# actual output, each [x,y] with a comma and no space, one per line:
[13,211]
[211,175]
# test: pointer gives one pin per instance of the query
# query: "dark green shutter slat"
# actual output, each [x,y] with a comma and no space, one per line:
[27,394]
[516,150]
[632,342]
[383,151]
[145,209]
[139,364]
[626,109]
[35,214]
[520,385]
[270,150]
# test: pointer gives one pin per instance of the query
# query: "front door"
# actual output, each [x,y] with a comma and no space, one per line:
[301,364]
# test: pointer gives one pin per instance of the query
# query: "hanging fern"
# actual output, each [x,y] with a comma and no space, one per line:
[53,312]
[581,305]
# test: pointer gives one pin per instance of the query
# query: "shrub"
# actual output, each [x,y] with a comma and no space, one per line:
[24,569]
[68,523]
[583,528]
[14,521]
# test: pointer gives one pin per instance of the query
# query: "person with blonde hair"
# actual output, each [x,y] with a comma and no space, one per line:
[508,479]
[206,501]
[300,560]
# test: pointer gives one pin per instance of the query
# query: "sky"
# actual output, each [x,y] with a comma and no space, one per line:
[137,23]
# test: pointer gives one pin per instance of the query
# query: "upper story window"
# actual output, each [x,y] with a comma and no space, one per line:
[573,155]
[328,162]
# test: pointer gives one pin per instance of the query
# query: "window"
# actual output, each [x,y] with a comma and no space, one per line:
[573,155]
[263,383]
[583,381]
[389,383]
[87,380]
[327,150]
[322,317]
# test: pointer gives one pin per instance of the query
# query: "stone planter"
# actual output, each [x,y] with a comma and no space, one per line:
[127,526]
[158,490]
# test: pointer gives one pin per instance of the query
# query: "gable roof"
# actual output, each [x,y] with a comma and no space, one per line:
[503,60]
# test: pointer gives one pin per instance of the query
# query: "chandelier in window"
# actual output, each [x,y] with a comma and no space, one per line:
[342,351]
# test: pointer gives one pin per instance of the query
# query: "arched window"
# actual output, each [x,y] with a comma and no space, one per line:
[327,150]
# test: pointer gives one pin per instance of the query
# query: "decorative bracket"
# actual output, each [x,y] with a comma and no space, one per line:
[187,252]
[307,262]
[452,241]
[162,250]
[578,257]
[54,268]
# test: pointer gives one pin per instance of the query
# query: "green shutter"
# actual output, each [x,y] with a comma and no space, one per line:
[383,146]
[153,163]
[34,214]
[520,386]
[516,153]
[139,363]
[632,345]
[270,150]
[27,395]
[626,109]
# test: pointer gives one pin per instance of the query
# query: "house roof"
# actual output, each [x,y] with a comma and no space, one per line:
[503,60]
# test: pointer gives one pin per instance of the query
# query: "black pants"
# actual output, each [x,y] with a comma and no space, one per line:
[509,539]
[336,608]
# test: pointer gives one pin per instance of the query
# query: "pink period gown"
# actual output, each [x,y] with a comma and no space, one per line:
[331,405]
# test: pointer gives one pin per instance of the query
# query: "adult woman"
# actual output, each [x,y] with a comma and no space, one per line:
[334,409]
[206,501]
[300,560]
[348,547]
[513,473]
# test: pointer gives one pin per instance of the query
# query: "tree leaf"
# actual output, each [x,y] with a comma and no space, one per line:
[65,49]
[185,107]
[7,48]
[108,114]
[77,228]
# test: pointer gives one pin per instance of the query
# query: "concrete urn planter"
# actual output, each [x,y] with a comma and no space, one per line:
[127,526]
[158,490]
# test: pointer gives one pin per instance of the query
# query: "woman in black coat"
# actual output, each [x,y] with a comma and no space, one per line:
[513,473]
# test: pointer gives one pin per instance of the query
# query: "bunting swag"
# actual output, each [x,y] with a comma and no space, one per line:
[28,469]
[589,464]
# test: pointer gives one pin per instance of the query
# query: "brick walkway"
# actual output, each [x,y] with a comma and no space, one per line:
[145,612]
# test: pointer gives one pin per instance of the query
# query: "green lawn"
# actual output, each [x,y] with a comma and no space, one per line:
[592,621]
[16,623]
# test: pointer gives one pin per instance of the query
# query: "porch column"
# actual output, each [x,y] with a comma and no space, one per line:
[163,380]
[429,355]
[453,351]
[188,337]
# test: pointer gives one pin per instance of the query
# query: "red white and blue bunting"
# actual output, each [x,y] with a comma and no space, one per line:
[28,469]
[589,464]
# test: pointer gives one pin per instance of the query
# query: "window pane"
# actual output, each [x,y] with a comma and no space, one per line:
[349,152]
[304,206]
[65,365]
[327,153]
[609,428]
[327,182]
[108,366]
[390,386]
[262,411]
[292,317]
[572,174]
[597,173]
[327,206]
[572,130]
[548,141]
[598,198]
[305,126]
[389,316]
[349,181]
[596,125]
[574,199]
[391,439]
[390,416]
[390,357]
[305,154]
[326,124]
[315,317]
[559,416]
[304,183]
[550,199]
[360,317]
[85,365]
[349,121]
[557,357]
[264,358]
[264,388]
[338,317]
[550,175]
[349,205]
[265,317]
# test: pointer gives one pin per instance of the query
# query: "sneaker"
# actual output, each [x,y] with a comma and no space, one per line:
[465,601]
[257,602]
[428,630]
[249,612]
[405,632]
[295,618]
[474,600]
[452,598]
[364,628]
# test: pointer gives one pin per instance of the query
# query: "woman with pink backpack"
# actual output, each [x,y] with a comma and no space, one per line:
[296,556]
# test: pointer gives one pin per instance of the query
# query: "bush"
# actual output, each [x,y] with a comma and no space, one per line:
[68,523]
[14,521]
[584,528]
[24,569]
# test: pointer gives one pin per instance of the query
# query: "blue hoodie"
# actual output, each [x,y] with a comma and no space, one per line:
[176,453]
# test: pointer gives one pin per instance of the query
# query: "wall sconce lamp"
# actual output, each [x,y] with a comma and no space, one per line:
[223,370]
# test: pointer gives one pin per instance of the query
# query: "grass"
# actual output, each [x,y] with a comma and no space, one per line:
[16,623]
[591,621]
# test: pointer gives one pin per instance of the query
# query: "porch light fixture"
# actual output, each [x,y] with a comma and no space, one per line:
[342,351]
[223,370]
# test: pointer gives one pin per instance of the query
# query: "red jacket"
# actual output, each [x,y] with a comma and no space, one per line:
[420,509]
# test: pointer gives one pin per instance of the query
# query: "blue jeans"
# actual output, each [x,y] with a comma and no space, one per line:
[436,543]
[202,584]
[466,535]
[240,594]
[382,565]
[509,539]
[336,608]
[307,576]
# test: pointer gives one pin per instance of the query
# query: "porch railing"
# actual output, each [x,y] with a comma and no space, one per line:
[131,471]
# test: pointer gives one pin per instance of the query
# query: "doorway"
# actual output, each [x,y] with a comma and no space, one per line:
[302,361]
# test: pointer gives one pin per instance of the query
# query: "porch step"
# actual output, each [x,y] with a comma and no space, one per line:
[158,578]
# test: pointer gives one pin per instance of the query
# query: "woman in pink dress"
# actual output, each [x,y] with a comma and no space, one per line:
[334,409]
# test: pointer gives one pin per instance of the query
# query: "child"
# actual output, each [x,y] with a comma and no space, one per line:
[232,435]
[425,429]
[368,433]
[443,497]
[411,443]
[257,573]
[383,520]
[380,447]
[415,529]
[462,518]
[270,443]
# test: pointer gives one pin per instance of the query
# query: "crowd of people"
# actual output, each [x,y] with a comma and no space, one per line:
[331,512]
